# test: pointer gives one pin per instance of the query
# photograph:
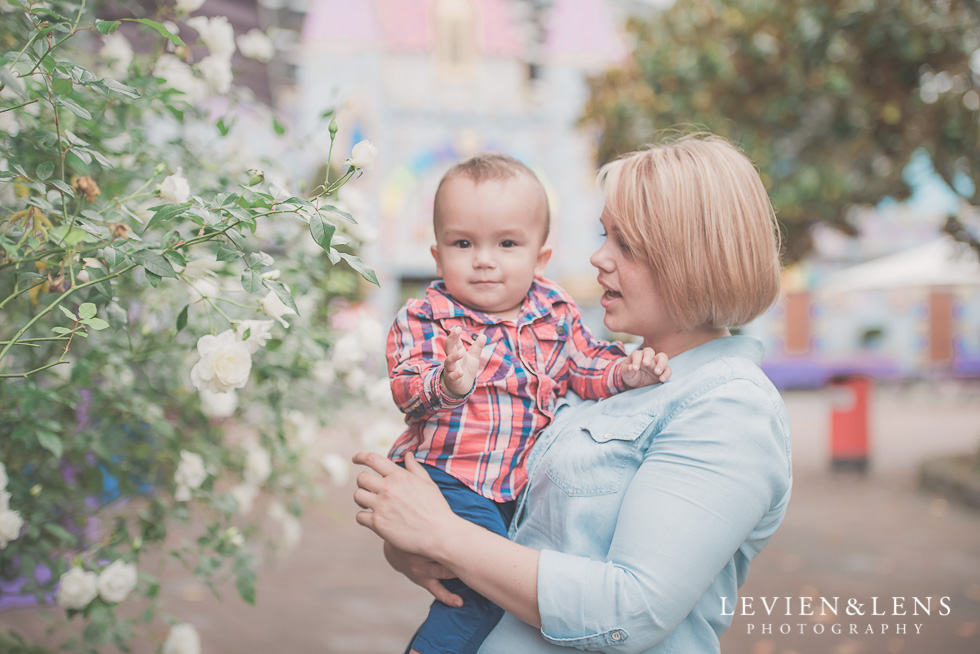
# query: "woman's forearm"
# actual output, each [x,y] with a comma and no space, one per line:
[499,569]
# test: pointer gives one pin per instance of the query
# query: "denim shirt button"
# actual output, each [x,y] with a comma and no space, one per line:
[617,635]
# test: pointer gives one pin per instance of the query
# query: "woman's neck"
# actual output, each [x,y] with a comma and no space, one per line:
[677,342]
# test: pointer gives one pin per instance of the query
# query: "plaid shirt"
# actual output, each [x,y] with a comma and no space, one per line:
[482,439]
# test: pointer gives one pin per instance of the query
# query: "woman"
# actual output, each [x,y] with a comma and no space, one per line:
[643,511]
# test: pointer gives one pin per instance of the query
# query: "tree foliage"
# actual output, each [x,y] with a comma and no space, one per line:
[830,98]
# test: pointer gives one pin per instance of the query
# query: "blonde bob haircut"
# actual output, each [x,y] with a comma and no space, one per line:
[695,211]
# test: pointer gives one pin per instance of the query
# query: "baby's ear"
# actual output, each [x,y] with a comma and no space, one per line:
[544,255]
[434,249]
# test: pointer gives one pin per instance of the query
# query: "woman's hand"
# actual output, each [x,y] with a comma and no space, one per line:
[423,572]
[402,505]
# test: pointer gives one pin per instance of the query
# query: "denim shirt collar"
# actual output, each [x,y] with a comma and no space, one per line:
[726,346]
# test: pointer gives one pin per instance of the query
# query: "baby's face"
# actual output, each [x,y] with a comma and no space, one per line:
[489,242]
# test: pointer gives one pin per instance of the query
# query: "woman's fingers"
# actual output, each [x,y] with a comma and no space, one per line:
[376,462]
[439,591]
[415,467]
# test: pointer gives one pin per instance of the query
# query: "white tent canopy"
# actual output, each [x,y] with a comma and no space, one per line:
[942,262]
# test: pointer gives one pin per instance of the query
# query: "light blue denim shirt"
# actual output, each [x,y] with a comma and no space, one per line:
[648,507]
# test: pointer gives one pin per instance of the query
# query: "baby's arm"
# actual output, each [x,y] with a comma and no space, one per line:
[644,367]
[599,369]
[417,354]
[462,364]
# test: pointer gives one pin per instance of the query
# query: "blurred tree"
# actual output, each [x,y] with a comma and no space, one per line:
[830,98]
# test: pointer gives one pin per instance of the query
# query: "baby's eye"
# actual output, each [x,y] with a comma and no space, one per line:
[461,243]
[508,244]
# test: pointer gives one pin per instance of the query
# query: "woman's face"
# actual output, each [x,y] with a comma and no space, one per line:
[631,300]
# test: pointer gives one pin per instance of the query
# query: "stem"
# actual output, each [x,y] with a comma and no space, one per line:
[29,341]
[16,293]
[56,302]
[18,106]
[25,375]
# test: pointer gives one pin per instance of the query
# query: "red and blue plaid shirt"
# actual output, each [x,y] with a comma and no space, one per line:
[482,439]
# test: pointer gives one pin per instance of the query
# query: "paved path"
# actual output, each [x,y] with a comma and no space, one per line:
[845,535]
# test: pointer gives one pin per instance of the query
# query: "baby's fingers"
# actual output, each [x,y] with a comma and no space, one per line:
[477,347]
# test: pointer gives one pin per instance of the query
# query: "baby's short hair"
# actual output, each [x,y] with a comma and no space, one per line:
[695,210]
[487,166]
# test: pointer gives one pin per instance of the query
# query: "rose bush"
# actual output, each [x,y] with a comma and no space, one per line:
[149,259]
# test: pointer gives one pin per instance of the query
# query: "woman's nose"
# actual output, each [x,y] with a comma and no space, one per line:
[599,259]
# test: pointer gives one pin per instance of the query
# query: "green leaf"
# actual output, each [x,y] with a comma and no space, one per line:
[223,128]
[228,254]
[44,170]
[118,317]
[245,583]
[106,26]
[98,324]
[280,289]
[62,331]
[51,442]
[61,186]
[153,279]
[75,108]
[329,208]
[154,263]
[259,260]
[86,311]
[358,265]
[58,531]
[322,230]
[120,88]
[279,128]
[67,312]
[164,32]
[182,317]
[62,86]
[111,255]
[251,280]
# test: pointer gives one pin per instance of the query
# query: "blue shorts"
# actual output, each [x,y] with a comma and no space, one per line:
[451,630]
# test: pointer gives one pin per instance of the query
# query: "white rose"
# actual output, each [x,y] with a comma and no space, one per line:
[182,639]
[117,52]
[117,581]
[216,33]
[290,531]
[216,71]
[337,467]
[191,473]
[363,154]
[259,332]
[244,495]
[256,45]
[10,524]
[77,588]
[276,308]
[174,189]
[3,476]
[189,6]
[178,76]
[225,363]
[258,464]
[218,405]
[300,428]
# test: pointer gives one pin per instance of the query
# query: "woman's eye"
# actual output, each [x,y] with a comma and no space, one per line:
[462,243]
[603,234]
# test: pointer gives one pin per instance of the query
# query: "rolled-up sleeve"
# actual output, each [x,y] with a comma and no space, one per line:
[416,350]
[706,480]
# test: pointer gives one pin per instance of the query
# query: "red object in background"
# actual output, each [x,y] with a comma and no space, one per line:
[849,421]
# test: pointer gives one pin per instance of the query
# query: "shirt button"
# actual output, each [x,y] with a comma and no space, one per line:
[617,635]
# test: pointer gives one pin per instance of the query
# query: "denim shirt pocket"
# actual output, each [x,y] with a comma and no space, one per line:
[593,459]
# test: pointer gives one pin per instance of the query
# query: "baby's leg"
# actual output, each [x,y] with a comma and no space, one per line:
[451,630]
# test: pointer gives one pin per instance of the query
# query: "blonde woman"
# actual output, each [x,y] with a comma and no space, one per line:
[643,511]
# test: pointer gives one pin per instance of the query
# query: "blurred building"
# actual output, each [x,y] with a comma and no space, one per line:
[432,82]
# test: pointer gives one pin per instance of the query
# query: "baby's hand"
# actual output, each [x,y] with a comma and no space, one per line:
[643,367]
[462,364]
